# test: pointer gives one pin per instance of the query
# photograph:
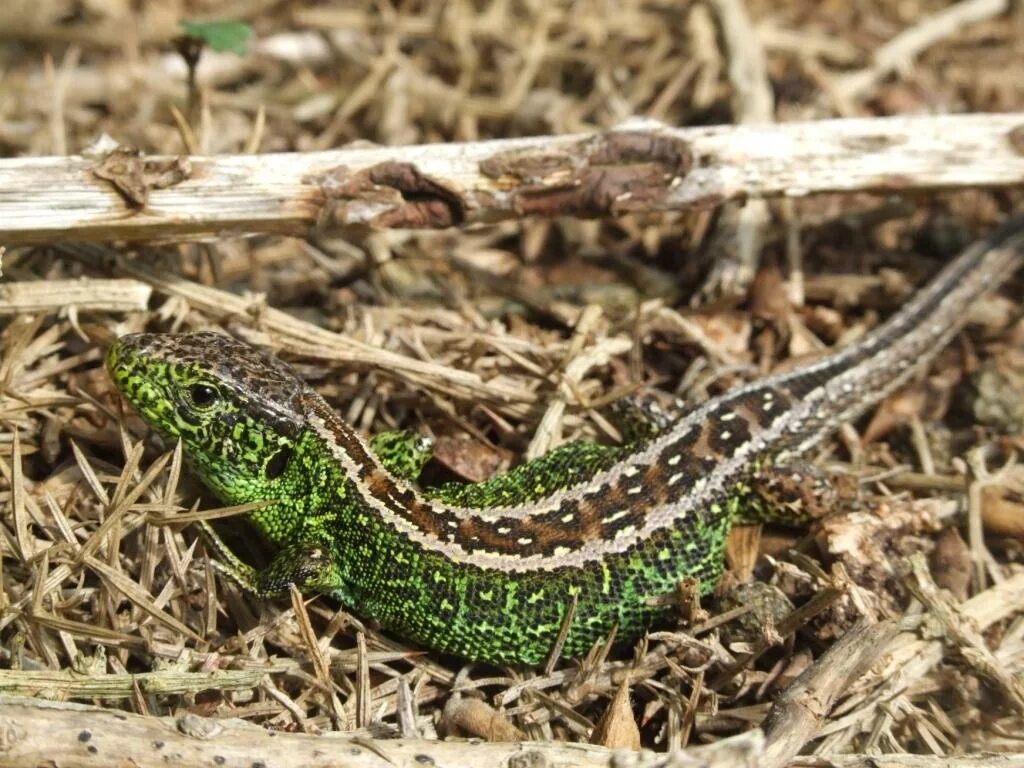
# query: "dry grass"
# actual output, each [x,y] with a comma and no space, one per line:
[501,342]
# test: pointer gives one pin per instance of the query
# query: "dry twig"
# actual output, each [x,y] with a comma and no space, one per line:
[641,166]
[77,736]
[735,248]
[900,52]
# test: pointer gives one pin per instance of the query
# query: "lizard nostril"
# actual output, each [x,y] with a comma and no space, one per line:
[277,464]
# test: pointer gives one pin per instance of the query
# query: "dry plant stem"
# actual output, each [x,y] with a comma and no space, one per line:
[982,560]
[908,658]
[306,338]
[961,633]
[40,732]
[752,100]
[798,714]
[922,483]
[85,295]
[899,52]
[641,166]
[579,361]
[321,668]
[69,683]
[739,236]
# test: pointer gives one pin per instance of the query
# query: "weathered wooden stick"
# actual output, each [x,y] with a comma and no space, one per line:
[37,732]
[641,166]
[801,710]
[40,732]
[978,760]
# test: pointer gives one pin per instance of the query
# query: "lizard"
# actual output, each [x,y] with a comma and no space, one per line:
[563,548]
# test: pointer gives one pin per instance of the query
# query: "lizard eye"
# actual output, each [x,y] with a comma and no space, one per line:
[203,395]
[277,464]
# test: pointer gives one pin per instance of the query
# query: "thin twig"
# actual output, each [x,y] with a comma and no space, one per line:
[736,246]
[800,711]
[899,52]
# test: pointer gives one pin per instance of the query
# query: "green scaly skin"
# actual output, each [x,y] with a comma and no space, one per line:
[326,535]
[586,538]
[404,454]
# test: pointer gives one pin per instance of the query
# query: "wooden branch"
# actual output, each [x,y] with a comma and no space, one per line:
[38,732]
[59,683]
[642,166]
[980,760]
[798,714]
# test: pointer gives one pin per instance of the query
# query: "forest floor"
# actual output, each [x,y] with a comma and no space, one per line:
[108,593]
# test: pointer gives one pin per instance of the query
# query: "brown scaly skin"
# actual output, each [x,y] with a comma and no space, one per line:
[587,537]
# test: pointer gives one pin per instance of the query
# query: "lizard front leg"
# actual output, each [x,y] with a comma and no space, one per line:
[308,565]
[403,453]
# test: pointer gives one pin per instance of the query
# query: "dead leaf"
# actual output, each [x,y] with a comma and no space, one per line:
[471,460]
[951,563]
[123,168]
[1002,504]
[478,718]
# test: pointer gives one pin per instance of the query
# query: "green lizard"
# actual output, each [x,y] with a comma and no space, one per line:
[586,536]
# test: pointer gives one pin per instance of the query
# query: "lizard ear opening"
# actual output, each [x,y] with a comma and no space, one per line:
[277,464]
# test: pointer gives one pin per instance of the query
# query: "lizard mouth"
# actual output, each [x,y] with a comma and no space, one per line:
[124,366]
[115,360]
[118,363]
[138,383]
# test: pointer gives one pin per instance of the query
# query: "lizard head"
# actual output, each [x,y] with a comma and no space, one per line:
[235,409]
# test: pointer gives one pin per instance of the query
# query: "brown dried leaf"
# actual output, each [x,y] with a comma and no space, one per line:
[478,718]
[1002,504]
[742,551]
[894,411]
[470,459]
[769,302]
[951,563]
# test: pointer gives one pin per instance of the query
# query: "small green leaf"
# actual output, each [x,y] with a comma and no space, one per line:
[223,36]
